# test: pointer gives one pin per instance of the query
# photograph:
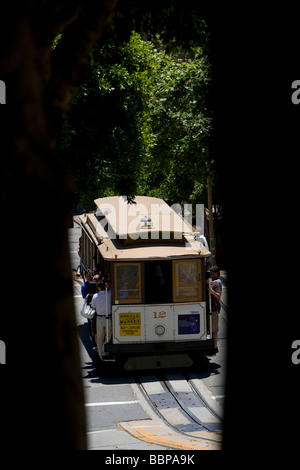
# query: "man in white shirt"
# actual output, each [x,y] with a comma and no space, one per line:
[101,302]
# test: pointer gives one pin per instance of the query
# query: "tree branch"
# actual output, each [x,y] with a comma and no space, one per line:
[70,59]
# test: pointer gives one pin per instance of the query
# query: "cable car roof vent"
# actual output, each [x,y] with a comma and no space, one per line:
[147,222]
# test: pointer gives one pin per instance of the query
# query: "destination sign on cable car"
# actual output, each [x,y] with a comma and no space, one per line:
[130,324]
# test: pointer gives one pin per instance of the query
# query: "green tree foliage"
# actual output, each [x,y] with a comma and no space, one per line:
[140,124]
[181,124]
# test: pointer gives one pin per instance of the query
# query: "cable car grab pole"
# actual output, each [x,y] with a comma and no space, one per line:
[106,313]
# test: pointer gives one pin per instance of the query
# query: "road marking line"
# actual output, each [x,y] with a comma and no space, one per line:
[103,430]
[111,403]
[214,397]
[144,435]
[163,435]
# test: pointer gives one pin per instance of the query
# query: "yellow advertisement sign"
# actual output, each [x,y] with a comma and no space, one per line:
[130,324]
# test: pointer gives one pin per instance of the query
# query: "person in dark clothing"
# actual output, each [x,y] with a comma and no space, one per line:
[88,289]
[215,290]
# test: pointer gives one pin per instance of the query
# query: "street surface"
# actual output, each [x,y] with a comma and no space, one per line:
[112,395]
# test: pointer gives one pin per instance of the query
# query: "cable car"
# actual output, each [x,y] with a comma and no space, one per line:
[155,263]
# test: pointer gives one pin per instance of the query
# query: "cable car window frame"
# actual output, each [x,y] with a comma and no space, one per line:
[178,289]
[128,300]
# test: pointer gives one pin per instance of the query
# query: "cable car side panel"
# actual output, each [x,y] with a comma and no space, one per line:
[166,322]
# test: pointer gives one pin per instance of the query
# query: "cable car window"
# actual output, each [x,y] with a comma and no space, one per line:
[158,281]
[127,282]
[187,280]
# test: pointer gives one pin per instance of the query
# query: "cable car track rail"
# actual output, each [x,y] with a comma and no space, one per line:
[187,398]
[181,407]
[213,407]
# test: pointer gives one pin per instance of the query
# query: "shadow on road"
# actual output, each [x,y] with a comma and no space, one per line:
[97,371]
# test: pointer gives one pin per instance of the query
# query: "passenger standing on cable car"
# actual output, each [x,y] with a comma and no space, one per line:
[99,303]
[215,290]
[88,289]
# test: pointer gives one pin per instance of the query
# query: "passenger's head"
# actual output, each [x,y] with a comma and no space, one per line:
[100,285]
[214,271]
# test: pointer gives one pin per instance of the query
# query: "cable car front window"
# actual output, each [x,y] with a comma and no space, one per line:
[187,280]
[158,281]
[128,282]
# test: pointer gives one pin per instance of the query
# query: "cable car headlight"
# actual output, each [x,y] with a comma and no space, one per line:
[159,330]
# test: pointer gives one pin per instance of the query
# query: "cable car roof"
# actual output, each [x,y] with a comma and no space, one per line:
[147,229]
